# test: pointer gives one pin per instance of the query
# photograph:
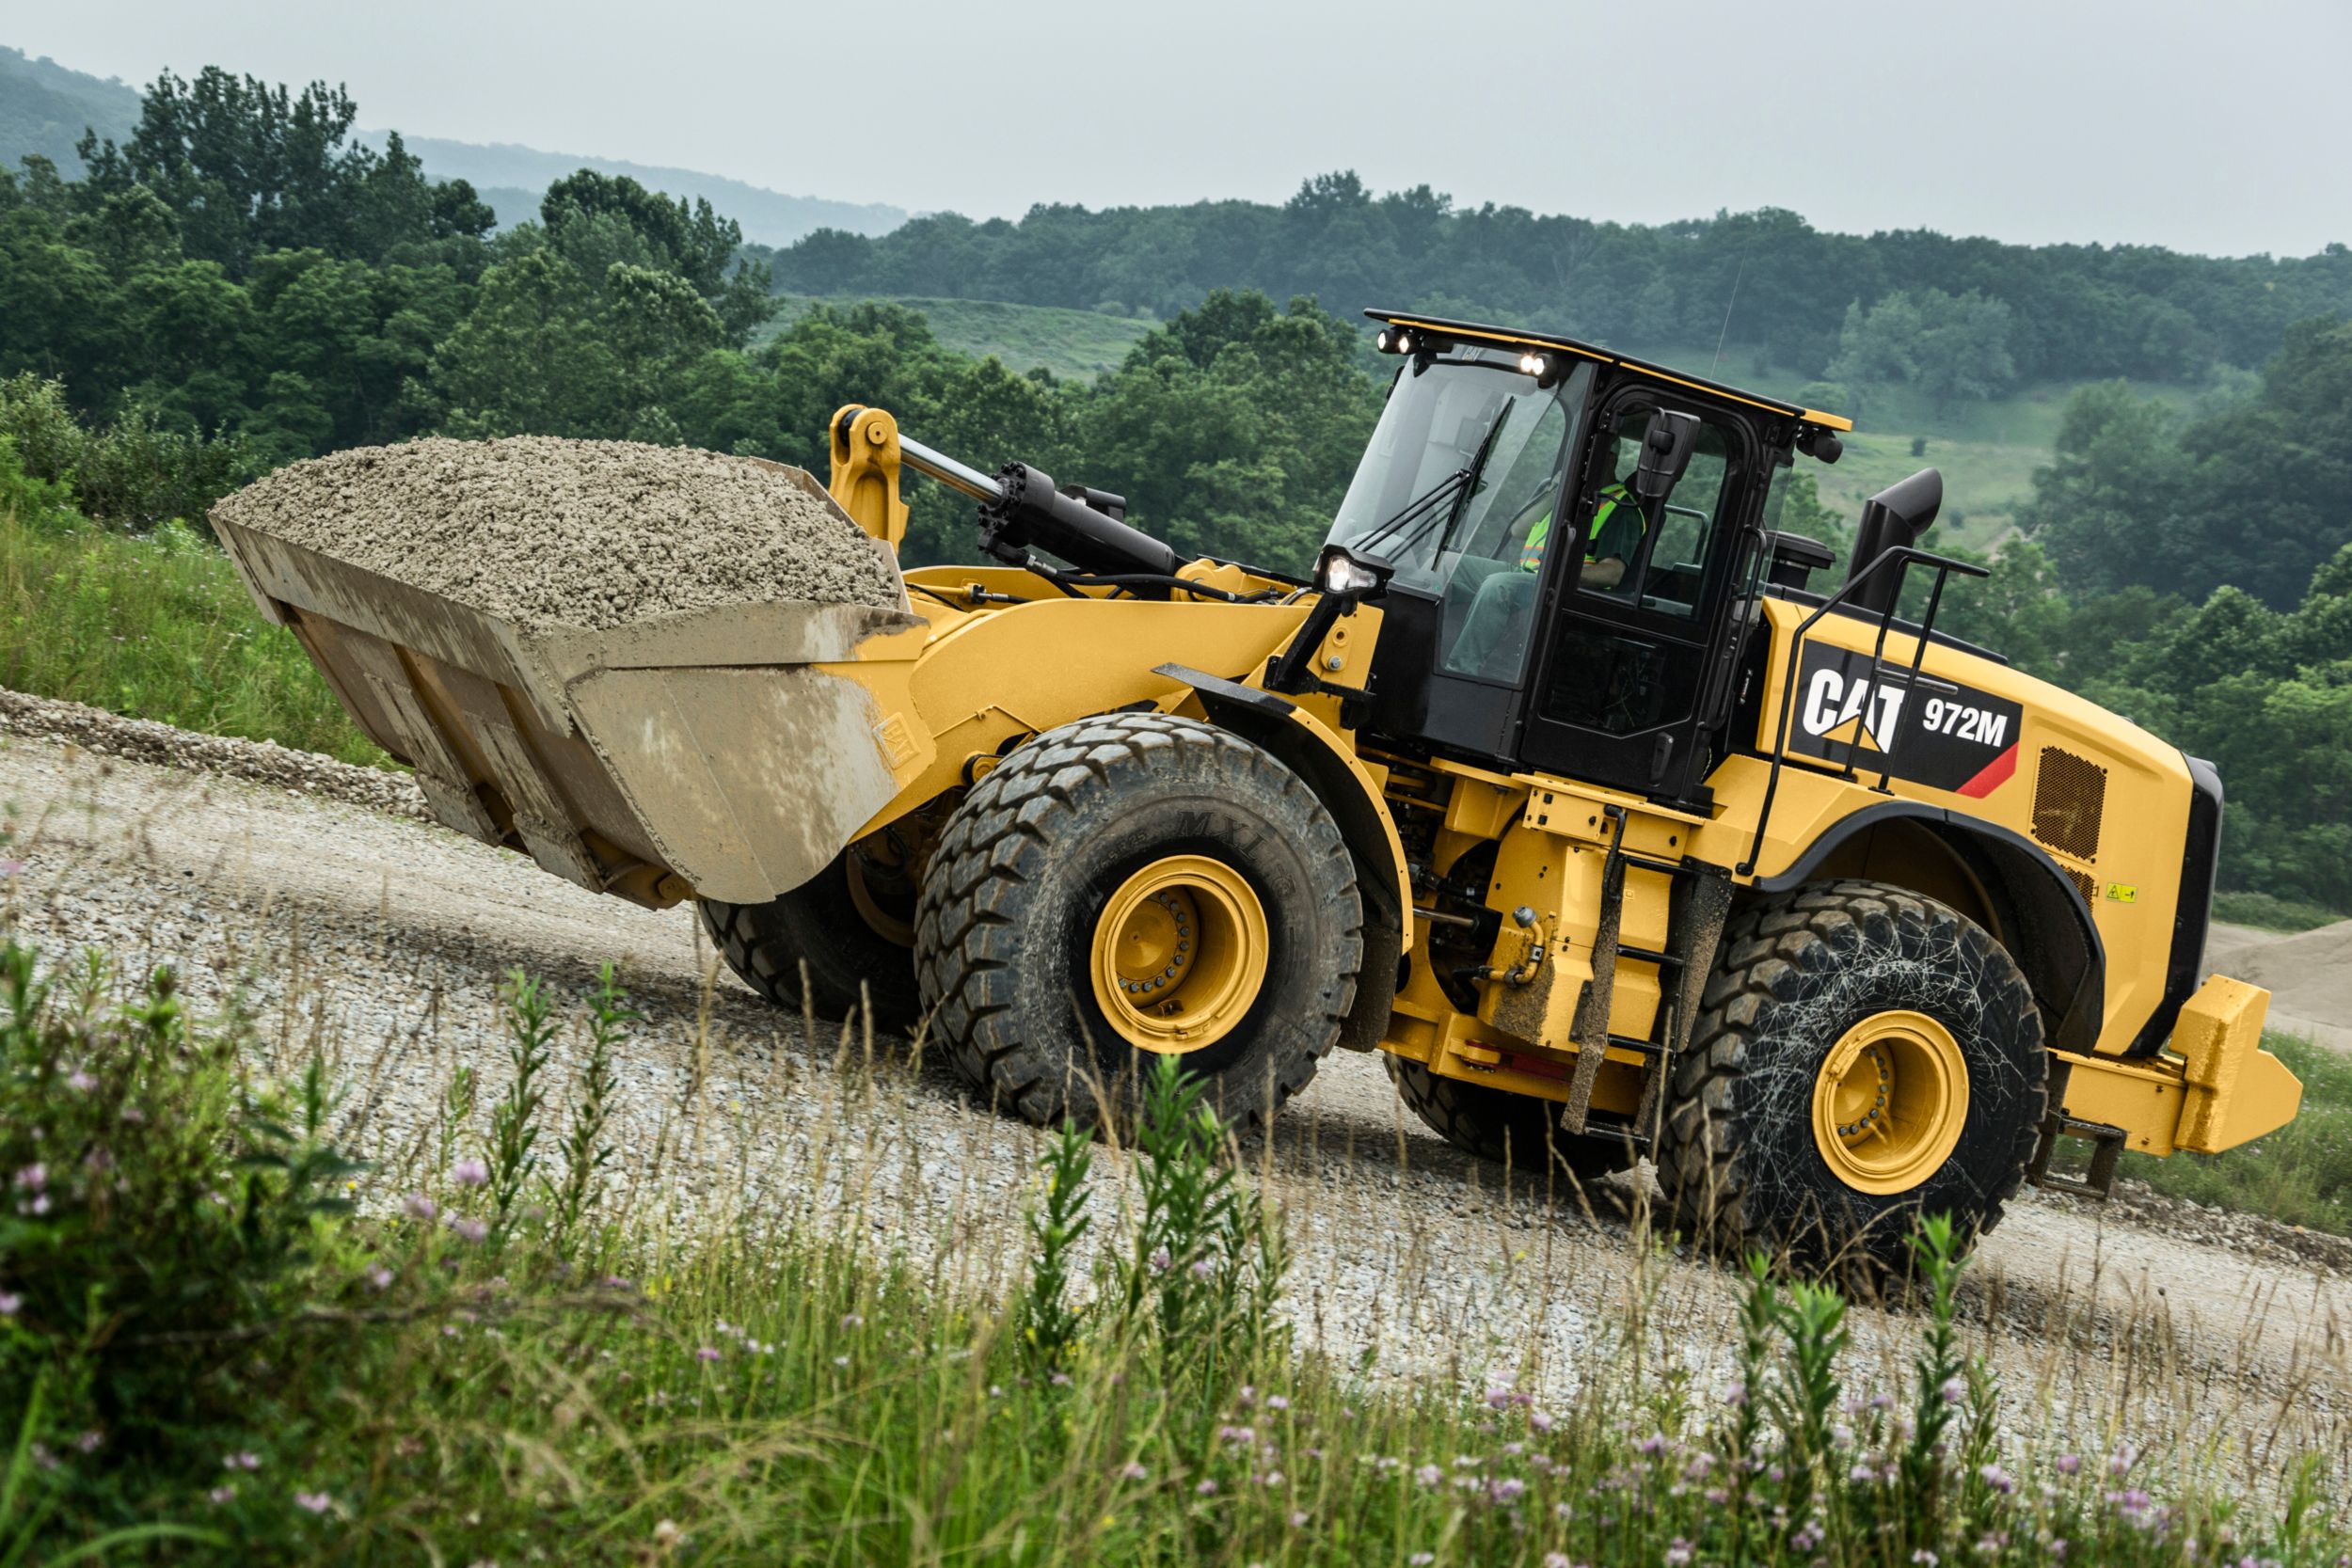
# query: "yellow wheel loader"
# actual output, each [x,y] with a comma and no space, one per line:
[1559,783]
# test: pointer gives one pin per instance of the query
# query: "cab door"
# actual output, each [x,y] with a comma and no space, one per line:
[1639,613]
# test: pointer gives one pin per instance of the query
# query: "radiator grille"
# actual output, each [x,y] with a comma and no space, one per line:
[2084,885]
[2068,795]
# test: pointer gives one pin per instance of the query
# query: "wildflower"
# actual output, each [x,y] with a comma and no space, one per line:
[1506,1490]
[1421,1560]
[1924,1557]
[1652,1446]
[1247,1397]
[469,1230]
[245,1460]
[1514,1450]
[421,1207]
[668,1533]
[1206,1489]
[1556,1559]
[1679,1554]
[1428,1475]
[1203,1268]
[1161,1262]
[1807,1538]
[221,1495]
[994,1393]
[709,1353]
[1298,1519]
[1059,1379]
[1498,1397]
[80,1082]
[10,1302]
[852,1320]
[1716,1495]
[1276,1402]
[89,1442]
[470,1173]
[32,1179]
[1272,1477]
[379,1279]
[2069,1463]
[313,1503]
[1559,1511]
[2057,1550]
[1737,1395]
[2121,1461]
[1954,1391]
[1236,1434]
[1133,1470]
[1997,1479]
[1540,1420]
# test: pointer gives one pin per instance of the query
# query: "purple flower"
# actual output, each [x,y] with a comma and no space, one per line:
[89,1442]
[221,1495]
[1276,1402]
[1997,1479]
[244,1460]
[469,1230]
[1954,1391]
[851,1320]
[1236,1434]
[470,1173]
[1428,1475]
[1161,1262]
[2069,1463]
[2121,1461]
[1540,1420]
[1134,1470]
[379,1279]
[80,1082]
[315,1503]
[1203,1267]
[1556,1559]
[1206,1489]
[1421,1560]
[421,1207]
[9,1302]
[1679,1554]
[32,1179]
[1298,1519]
[709,1353]
[1508,1490]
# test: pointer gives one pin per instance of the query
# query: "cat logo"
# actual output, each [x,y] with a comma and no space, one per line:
[1854,712]
[1840,711]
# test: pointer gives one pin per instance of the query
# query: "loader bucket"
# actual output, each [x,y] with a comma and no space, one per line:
[700,753]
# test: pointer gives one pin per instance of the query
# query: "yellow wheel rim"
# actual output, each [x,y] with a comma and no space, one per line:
[1179,953]
[1889,1102]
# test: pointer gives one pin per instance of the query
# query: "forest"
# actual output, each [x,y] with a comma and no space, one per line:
[242,283]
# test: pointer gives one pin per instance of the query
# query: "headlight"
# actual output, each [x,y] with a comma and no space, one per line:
[1341,574]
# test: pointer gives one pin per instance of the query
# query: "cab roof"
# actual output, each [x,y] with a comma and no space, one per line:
[1520,337]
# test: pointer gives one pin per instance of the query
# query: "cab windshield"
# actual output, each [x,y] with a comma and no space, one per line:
[1459,484]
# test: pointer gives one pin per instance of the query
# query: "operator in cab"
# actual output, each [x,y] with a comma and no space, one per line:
[1497,626]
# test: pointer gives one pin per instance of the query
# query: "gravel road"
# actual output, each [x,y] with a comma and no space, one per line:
[382,941]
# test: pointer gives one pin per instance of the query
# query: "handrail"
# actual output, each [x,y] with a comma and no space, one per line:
[1902,555]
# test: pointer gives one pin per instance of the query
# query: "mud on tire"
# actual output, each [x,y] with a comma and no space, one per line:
[1741,1159]
[1495,1124]
[1012,898]
[818,925]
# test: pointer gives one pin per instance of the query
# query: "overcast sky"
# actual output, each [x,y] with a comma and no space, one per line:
[2218,127]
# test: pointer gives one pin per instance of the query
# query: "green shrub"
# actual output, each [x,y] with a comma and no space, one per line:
[2271,912]
[134,474]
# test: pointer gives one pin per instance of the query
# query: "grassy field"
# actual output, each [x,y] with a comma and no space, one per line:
[1075,345]
[221,1340]
[156,627]
[2272,914]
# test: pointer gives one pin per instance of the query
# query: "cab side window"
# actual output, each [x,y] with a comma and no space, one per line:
[1658,562]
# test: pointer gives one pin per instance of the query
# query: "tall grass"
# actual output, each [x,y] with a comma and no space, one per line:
[209,1357]
[153,626]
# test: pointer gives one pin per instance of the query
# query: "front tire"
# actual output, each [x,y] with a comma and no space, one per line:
[1131,886]
[1866,1055]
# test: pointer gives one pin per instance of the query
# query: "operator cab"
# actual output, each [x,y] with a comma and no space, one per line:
[1572,535]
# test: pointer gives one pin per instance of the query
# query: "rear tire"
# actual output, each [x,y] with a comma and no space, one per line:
[1059,859]
[1771,1144]
[1517,1130]
[819,924]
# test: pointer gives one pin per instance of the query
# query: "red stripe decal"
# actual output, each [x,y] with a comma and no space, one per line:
[1995,775]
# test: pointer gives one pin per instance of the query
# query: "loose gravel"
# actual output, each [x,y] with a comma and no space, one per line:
[383,943]
[548,532]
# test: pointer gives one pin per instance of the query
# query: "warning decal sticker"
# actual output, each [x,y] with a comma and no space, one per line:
[1924,729]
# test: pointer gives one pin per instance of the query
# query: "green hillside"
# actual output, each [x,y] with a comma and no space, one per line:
[44,108]
[1078,345]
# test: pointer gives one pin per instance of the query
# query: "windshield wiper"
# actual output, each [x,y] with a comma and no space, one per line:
[1470,478]
[1416,510]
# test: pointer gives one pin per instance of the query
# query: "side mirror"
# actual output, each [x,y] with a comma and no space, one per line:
[1665,453]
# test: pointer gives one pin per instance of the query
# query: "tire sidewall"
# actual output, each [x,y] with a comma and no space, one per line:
[1114,834]
[1906,962]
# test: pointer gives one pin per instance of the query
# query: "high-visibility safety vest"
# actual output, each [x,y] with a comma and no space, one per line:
[1531,550]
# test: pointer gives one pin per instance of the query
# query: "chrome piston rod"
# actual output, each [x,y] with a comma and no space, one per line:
[955,475]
